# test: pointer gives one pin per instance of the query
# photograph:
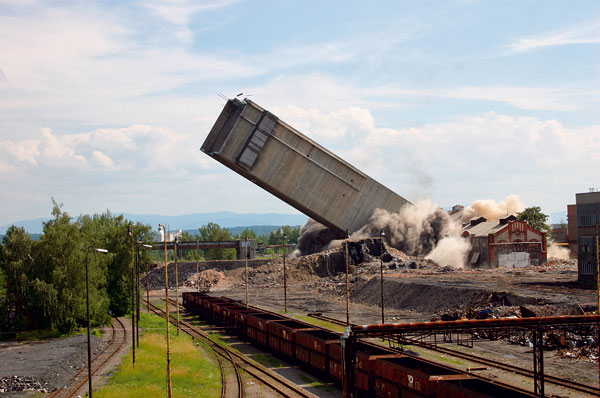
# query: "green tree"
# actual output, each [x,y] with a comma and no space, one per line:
[2,286]
[187,236]
[535,218]
[16,263]
[111,232]
[213,232]
[291,235]
[46,280]
[248,233]
[60,276]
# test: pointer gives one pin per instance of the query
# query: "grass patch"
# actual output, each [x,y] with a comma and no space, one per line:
[267,360]
[431,354]
[192,374]
[315,383]
[321,323]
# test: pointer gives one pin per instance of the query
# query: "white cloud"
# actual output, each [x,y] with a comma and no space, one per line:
[101,160]
[138,147]
[179,12]
[585,33]
[517,154]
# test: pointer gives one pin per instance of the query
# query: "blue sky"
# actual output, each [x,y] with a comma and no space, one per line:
[104,105]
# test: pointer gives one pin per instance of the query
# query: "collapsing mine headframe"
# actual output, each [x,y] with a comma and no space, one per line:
[256,144]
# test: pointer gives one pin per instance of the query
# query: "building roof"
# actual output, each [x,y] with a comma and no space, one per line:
[483,228]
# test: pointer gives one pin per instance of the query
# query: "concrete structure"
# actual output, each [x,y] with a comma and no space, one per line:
[588,223]
[256,144]
[572,230]
[507,243]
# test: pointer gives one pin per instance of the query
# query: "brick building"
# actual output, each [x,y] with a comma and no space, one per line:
[506,243]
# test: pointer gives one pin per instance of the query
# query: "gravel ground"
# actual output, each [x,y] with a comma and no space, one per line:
[50,363]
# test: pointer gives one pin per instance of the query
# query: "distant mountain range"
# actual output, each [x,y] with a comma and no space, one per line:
[225,219]
[235,222]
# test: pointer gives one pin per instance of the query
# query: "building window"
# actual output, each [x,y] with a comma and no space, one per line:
[586,268]
[585,220]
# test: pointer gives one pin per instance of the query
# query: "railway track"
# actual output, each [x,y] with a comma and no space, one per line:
[259,372]
[75,384]
[573,385]
[232,384]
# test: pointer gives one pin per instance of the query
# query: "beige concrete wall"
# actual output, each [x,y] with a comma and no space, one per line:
[298,170]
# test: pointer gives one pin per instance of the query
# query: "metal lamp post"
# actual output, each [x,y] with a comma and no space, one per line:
[87,295]
[137,293]
[382,237]
[160,226]
[284,276]
[130,233]
[177,282]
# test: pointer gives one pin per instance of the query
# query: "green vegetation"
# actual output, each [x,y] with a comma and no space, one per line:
[535,218]
[318,322]
[267,360]
[315,383]
[193,373]
[291,235]
[43,283]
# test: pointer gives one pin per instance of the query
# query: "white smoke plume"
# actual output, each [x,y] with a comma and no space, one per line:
[451,251]
[493,211]
[559,252]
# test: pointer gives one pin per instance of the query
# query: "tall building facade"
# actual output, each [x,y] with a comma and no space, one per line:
[588,224]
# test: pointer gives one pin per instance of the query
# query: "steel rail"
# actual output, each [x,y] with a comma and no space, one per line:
[268,377]
[482,360]
[72,378]
[217,350]
[104,361]
[229,357]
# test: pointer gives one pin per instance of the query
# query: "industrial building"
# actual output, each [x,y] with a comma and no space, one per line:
[505,243]
[587,217]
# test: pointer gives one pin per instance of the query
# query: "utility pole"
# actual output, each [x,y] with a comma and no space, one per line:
[197,260]
[130,233]
[284,276]
[382,236]
[170,393]
[247,255]
[176,282]
[347,281]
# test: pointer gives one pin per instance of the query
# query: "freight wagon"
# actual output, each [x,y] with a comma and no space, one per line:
[378,371]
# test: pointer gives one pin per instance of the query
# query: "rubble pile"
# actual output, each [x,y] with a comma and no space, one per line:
[20,383]
[206,280]
[576,345]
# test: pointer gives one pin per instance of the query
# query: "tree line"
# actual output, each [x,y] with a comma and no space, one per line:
[42,283]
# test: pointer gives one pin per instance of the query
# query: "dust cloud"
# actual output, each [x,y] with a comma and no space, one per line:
[414,229]
[492,210]
[562,253]
[451,251]
[314,237]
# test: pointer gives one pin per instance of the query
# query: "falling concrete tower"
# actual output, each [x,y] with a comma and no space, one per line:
[256,144]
